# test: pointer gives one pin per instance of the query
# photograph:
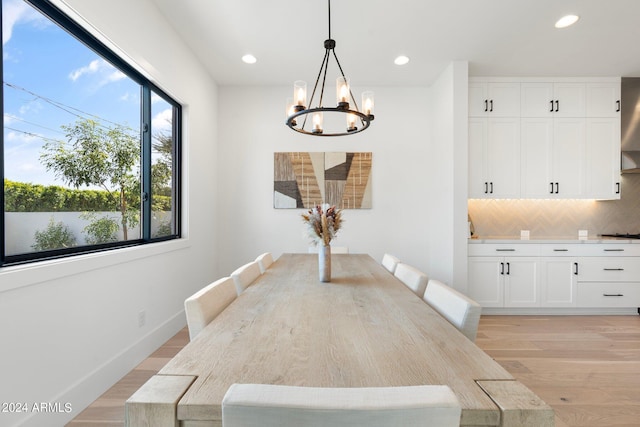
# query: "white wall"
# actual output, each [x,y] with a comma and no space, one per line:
[448,172]
[69,328]
[252,128]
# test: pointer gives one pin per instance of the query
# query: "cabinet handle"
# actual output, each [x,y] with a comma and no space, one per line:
[617,188]
[612,295]
[502,268]
[575,271]
[486,105]
[486,188]
[557,105]
[551,110]
[613,269]
[508,268]
[505,250]
[561,250]
[614,250]
[491,104]
[618,103]
[557,187]
[491,186]
[551,184]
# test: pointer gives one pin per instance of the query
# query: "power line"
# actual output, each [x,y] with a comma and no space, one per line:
[33,124]
[35,135]
[69,109]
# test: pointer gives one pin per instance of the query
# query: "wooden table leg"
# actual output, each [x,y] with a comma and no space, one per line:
[519,406]
[156,402]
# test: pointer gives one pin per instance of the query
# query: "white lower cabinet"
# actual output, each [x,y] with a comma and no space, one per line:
[585,275]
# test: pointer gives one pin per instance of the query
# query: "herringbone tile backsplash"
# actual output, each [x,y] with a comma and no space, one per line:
[559,218]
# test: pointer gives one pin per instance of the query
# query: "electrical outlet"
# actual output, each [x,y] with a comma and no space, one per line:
[142,318]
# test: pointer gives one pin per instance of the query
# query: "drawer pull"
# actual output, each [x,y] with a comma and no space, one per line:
[613,269]
[614,250]
[612,295]
[561,250]
[505,250]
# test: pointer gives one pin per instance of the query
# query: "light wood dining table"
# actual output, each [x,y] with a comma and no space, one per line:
[363,329]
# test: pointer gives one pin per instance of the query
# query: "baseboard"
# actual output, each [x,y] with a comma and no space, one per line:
[547,311]
[88,389]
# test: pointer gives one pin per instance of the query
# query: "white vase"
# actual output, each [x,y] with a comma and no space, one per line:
[324,262]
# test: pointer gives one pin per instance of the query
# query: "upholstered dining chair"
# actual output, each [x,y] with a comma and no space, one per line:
[203,306]
[413,278]
[264,261]
[245,275]
[460,310]
[264,405]
[390,262]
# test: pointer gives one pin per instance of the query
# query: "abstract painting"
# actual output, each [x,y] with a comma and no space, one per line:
[307,179]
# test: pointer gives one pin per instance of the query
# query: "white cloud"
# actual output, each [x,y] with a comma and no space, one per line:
[92,68]
[105,72]
[162,120]
[15,12]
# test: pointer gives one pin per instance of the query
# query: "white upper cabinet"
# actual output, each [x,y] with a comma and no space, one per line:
[603,100]
[494,99]
[553,99]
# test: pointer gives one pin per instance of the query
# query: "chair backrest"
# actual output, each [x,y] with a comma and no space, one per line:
[264,405]
[264,261]
[390,262]
[245,276]
[334,249]
[413,278]
[460,310]
[203,306]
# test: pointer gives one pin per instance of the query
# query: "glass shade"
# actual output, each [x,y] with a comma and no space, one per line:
[351,122]
[367,103]
[300,93]
[317,122]
[342,91]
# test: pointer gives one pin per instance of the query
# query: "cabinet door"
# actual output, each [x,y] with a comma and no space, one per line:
[536,100]
[486,285]
[567,157]
[603,99]
[478,100]
[558,282]
[571,99]
[504,99]
[503,157]
[536,139]
[521,282]
[602,159]
[478,181]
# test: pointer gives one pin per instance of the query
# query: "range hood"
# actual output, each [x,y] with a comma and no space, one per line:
[630,125]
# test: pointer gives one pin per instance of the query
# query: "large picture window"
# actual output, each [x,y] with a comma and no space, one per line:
[90,147]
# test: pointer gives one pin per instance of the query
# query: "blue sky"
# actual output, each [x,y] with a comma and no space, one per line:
[49,80]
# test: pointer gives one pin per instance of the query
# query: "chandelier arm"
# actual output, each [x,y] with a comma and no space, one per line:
[324,78]
[325,63]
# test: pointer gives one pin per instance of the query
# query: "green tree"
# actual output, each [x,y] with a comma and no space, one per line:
[100,229]
[56,236]
[97,156]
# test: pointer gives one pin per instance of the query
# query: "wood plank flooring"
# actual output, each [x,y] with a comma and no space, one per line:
[586,367]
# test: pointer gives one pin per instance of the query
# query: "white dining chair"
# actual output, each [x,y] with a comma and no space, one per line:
[264,261]
[203,306]
[460,310]
[245,275]
[334,249]
[390,262]
[413,278]
[265,405]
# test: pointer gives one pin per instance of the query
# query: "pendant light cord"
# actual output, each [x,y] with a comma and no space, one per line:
[329,7]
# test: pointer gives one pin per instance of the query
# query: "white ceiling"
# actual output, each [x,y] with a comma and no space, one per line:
[497,37]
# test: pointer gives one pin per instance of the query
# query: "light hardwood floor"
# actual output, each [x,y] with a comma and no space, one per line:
[586,367]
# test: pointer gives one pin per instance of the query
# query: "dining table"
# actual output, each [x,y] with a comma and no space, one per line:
[364,328]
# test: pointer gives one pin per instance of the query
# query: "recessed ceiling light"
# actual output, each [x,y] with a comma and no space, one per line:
[566,21]
[249,59]
[401,60]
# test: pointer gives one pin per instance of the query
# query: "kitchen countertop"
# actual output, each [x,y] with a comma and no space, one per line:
[552,240]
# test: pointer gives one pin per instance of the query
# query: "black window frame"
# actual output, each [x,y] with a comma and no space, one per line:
[146,89]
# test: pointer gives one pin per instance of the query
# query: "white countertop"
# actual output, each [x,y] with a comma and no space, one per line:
[552,240]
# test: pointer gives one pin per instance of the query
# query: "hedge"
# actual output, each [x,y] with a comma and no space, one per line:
[27,197]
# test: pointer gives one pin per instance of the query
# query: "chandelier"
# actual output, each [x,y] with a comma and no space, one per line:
[311,120]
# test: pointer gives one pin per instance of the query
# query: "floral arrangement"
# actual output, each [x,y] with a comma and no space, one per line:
[323,223]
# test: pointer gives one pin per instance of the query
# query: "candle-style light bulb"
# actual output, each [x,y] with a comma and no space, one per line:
[300,94]
[351,122]
[367,103]
[290,110]
[342,92]
[317,122]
